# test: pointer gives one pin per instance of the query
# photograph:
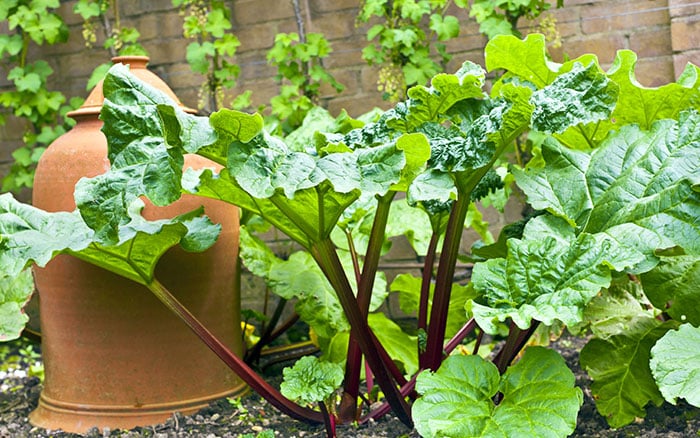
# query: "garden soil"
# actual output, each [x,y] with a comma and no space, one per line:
[252,417]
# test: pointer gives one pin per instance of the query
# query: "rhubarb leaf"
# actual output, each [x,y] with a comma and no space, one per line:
[30,235]
[15,292]
[619,366]
[673,287]
[583,95]
[549,275]
[638,187]
[645,105]
[147,137]
[430,104]
[539,398]
[675,364]
[317,304]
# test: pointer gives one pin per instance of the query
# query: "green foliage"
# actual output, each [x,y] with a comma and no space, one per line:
[611,208]
[539,398]
[675,364]
[299,63]
[500,17]
[622,381]
[14,294]
[117,40]
[41,111]
[311,380]
[402,40]
[211,54]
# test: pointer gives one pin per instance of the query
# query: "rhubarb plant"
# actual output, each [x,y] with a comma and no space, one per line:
[614,185]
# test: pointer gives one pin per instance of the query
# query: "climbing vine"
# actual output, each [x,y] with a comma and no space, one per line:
[28,98]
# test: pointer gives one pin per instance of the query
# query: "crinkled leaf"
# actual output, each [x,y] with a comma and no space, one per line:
[255,254]
[33,235]
[311,380]
[539,398]
[30,235]
[583,95]
[637,104]
[673,287]
[638,187]
[429,104]
[619,366]
[307,218]
[617,310]
[547,276]
[147,135]
[675,364]
[14,294]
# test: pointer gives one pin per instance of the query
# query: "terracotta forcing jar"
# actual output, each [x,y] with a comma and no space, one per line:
[114,356]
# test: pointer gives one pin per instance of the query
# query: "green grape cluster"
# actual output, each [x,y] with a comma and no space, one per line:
[548,27]
[392,83]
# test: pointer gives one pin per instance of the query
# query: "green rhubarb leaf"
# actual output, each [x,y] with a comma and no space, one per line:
[30,235]
[638,187]
[317,303]
[147,135]
[583,95]
[549,275]
[619,366]
[675,364]
[618,310]
[430,104]
[311,380]
[15,292]
[400,346]
[673,287]
[527,59]
[539,398]
[307,218]
[644,106]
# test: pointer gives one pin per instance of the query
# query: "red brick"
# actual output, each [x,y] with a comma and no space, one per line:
[685,34]
[346,53]
[681,60]
[605,46]
[336,25]
[256,37]
[654,42]
[655,72]
[257,11]
[623,15]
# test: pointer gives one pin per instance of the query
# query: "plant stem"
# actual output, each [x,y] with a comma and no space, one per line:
[425,290]
[353,366]
[269,393]
[443,283]
[328,420]
[517,338]
[266,336]
[327,259]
